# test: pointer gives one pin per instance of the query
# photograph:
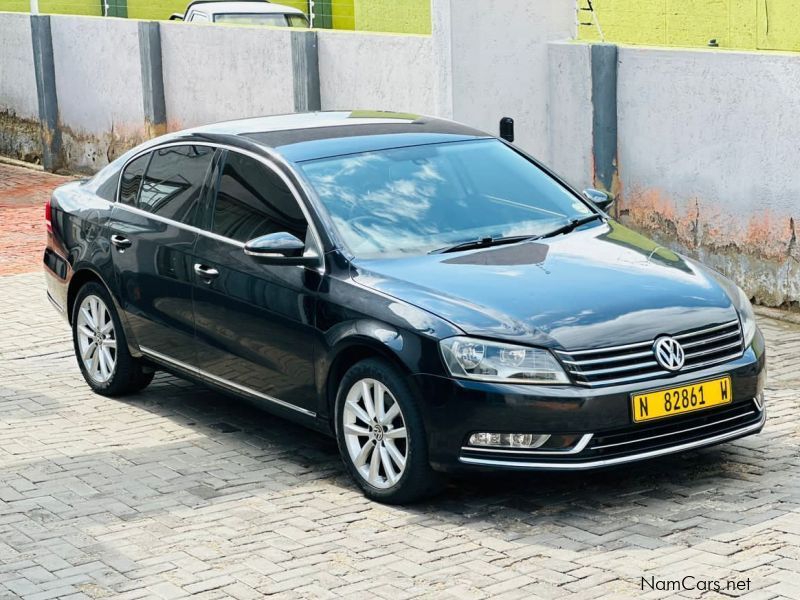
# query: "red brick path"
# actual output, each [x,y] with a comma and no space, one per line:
[23,193]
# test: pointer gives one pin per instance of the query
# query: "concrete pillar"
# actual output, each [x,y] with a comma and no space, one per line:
[604,116]
[305,69]
[44,68]
[155,109]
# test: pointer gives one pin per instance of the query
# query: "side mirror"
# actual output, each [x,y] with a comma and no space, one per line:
[176,17]
[280,248]
[603,200]
[507,129]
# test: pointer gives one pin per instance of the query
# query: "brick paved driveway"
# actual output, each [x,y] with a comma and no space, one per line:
[23,193]
[180,491]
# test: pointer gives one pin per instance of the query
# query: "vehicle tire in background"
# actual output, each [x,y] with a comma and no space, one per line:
[101,347]
[381,435]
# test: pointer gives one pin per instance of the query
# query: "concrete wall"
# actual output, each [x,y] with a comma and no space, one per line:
[569,104]
[99,88]
[217,73]
[19,108]
[499,64]
[708,149]
[377,71]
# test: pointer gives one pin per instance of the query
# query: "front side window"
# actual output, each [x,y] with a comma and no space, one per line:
[412,200]
[174,182]
[198,18]
[252,200]
[132,180]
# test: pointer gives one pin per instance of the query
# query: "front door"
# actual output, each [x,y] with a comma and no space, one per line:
[254,323]
[152,232]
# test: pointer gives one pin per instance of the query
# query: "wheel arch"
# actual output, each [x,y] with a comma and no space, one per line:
[80,278]
[349,352]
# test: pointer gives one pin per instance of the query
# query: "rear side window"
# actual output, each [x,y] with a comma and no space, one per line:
[253,201]
[132,180]
[174,182]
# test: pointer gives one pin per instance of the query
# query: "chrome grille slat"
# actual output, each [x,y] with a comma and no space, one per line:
[709,340]
[714,350]
[598,366]
[644,365]
[597,361]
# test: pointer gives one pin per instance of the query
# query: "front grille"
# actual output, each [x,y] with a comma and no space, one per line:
[673,431]
[635,362]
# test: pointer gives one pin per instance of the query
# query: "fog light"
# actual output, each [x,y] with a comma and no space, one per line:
[509,440]
[759,400]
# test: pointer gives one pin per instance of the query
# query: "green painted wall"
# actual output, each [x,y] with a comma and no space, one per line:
[397,16]
[745,24]
[344,14]
[67,7]
[393,16]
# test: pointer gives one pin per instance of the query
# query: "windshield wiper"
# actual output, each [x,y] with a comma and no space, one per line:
[484,242]
[487,242]
[566,228]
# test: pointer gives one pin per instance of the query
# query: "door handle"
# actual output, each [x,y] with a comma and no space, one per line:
[205,273]
[120,241]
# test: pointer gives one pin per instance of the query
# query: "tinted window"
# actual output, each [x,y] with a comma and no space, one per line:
[132,180]
[421,198]
[174,181]
[253,201]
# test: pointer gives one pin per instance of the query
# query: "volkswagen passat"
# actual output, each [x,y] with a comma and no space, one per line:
[427,293]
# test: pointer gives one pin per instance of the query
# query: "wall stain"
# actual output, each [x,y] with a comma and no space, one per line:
[20,138]
[759,252]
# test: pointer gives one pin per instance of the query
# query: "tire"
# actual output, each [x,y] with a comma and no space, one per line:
[102,351]
[398,472]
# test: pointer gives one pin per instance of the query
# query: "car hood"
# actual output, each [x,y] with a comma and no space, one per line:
[601,286]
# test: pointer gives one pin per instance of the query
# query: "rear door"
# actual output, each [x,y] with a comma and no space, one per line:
[153,232]
[254,323]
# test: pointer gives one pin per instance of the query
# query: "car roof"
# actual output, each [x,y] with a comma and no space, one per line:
[246,6]
[309,136]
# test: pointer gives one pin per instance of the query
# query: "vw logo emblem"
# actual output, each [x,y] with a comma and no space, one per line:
[669,353]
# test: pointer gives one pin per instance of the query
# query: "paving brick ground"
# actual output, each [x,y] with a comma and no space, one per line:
[181,491]
[23,193]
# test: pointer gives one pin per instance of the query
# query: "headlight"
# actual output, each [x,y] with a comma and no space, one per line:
[747,315]
[494,361]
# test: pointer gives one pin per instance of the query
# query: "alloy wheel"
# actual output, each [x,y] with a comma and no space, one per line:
[375,433]
[97,339]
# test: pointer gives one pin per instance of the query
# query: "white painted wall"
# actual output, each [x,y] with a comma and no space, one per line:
[709,142]
[377,71]
[17,76]
[500,64]
[214,73]
[99,87]
[569,112]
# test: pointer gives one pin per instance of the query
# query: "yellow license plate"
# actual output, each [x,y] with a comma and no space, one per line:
[658,404]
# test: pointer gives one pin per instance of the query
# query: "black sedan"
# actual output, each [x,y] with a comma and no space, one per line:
[427,293]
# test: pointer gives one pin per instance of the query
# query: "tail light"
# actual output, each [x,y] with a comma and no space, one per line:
[48,212]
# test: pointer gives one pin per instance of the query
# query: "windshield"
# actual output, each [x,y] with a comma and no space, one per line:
[273,19]
[408,201]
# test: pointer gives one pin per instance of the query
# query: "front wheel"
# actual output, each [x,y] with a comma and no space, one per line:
[101,347]
[381,435]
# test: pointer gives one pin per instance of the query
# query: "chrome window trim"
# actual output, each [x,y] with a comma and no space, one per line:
[271,163]
[593,464]
[221,380]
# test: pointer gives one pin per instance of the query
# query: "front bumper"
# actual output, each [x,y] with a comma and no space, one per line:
[601,417]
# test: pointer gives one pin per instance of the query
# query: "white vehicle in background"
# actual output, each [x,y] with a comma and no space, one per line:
[246,12]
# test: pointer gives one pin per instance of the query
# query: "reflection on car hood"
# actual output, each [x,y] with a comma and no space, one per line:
[602,286]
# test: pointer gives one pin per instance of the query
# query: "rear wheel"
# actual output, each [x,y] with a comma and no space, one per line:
[381,435]
[101,347]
